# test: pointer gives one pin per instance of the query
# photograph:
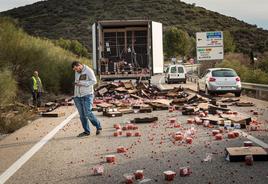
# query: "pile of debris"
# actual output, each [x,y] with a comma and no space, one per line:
[48,109]
[119,90]
[219,113]
[116,99]
[221,122]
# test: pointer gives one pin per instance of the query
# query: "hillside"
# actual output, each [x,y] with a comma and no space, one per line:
[71,19]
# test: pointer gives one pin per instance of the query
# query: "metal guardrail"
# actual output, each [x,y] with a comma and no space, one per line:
[253,86]
[192,78]
[261,90]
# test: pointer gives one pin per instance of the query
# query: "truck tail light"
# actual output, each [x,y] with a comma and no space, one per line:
[211,79]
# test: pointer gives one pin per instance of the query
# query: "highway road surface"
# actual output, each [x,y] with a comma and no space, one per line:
[48,151]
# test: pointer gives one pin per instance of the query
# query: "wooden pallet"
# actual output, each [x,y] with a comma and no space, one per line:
[113,114]
[241,119]
[145,120]
[53,114]
[145,110]
[237,154]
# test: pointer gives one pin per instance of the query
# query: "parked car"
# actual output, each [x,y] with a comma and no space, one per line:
[219,80]
[175,73]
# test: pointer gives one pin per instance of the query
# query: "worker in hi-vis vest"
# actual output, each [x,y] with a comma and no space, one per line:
[37,89]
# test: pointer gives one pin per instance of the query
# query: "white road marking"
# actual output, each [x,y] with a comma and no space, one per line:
[24,158]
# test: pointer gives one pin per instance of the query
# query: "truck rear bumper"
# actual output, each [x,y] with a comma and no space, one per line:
[177,79]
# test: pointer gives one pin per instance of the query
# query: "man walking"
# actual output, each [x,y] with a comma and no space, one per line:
[37,88]
[83,96]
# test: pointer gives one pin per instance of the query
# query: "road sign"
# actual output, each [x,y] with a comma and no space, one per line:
[209,39]
[209,45]
[209,53]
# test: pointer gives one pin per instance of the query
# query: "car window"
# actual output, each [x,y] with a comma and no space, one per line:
[224,73]
[180,69]
[173,69]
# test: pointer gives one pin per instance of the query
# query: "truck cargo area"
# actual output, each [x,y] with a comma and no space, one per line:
[122,49]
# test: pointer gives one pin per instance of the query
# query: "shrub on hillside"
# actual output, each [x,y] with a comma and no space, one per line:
[72,45]
[246,74]
[8,87]
[263,62]
[23,54]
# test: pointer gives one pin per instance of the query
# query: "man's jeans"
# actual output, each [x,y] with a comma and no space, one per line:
[84,107]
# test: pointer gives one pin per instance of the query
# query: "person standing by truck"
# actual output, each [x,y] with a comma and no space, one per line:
[37,89]
[83,97]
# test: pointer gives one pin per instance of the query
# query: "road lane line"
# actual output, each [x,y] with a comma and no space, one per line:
[24,158]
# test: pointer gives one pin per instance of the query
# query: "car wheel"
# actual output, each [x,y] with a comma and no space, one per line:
[184,81]
[238,94]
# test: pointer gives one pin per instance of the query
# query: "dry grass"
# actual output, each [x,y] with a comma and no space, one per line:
[13,117]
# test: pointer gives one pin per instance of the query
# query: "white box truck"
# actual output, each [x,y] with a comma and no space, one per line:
[127,49]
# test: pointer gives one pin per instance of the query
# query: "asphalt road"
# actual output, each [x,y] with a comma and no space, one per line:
[68,159]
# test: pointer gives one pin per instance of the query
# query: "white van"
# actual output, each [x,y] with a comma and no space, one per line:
[175,73]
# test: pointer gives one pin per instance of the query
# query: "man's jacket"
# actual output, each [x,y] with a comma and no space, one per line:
[86,80]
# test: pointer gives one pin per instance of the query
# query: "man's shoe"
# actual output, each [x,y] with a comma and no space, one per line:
[98,131]
[83,134]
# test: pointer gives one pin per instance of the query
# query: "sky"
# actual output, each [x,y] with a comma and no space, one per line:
[250,11]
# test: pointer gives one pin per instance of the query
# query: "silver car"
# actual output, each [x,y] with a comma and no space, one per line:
[219,80]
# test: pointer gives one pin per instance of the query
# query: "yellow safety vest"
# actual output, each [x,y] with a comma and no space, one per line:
[35,84]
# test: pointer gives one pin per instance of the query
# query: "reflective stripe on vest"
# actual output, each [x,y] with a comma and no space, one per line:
[35,84]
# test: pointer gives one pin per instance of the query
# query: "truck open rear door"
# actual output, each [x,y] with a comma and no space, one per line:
[94,46]
[157,47]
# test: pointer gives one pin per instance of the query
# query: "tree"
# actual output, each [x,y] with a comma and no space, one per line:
[228,41]
[177,42]
[192,52]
